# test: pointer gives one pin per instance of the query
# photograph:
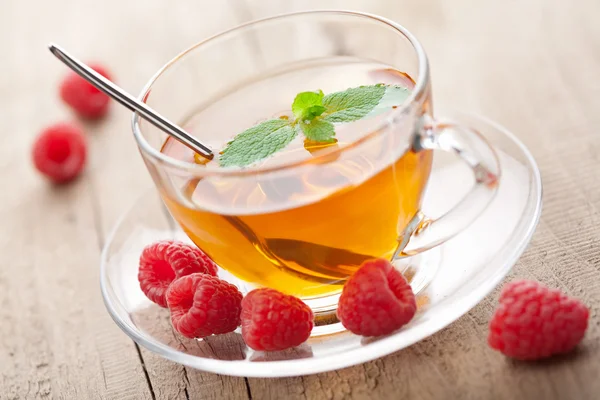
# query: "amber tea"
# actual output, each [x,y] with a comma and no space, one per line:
[303,233]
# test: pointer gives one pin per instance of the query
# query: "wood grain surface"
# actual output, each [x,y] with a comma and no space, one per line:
[532,65]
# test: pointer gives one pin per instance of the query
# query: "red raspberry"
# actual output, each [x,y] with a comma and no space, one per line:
[534,322]
[273,321]
[59,152]
[162,262]
[83,97]
[202,305]
[376,300]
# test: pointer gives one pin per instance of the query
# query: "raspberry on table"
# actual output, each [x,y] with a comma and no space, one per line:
[164,261]
[534,322]
[59,152]
[273,321]
[87,101]
[376,300]
[202,305]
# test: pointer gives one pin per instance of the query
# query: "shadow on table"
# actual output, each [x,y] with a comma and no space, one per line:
[154,322]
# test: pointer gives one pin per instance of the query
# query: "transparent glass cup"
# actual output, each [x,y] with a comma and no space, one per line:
[287,229]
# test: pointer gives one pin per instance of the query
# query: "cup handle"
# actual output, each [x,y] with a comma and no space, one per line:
[423,233]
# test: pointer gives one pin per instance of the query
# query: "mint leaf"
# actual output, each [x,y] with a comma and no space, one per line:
[258,143]
[393,96]
[318,130]
[305,101]
[352,104]
[312,112]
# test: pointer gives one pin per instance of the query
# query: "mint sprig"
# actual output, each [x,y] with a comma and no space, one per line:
[315,115]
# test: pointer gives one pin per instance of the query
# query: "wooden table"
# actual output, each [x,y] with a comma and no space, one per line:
[532,65]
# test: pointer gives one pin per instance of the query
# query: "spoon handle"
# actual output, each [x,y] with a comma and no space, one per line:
[130,102]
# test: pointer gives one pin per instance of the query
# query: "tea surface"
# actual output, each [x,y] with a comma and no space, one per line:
[302,232]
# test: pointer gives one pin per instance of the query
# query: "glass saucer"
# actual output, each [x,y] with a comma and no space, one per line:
[463,271]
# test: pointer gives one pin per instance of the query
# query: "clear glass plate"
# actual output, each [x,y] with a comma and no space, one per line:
[450,280]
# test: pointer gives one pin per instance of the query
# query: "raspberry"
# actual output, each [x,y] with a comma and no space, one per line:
[202,305]
[83,97]
[534,322]
[272,320]
[162,262]
[59,152]
[376,300]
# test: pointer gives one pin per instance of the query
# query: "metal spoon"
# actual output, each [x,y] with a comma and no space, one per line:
[130,101]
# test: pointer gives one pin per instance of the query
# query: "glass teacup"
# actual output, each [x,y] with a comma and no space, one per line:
[304,225]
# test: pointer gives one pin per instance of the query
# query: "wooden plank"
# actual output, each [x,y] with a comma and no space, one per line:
[57,339]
